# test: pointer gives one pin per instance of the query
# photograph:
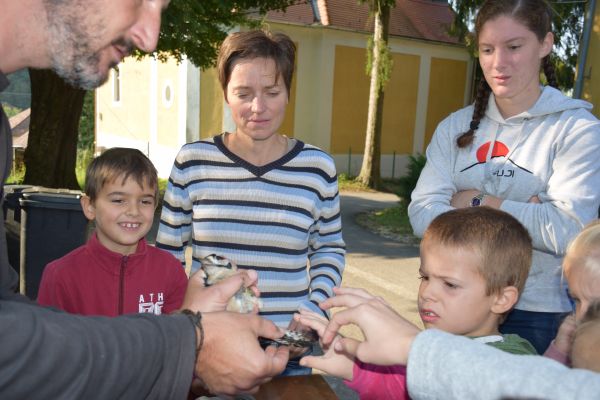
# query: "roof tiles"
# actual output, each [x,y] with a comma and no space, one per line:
[418,19]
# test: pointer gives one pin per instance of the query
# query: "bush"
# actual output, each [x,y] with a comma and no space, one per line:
[407,183]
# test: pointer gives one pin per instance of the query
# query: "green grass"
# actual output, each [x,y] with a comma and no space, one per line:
[395,219]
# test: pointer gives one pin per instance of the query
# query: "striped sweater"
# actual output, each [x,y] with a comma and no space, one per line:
[282,220]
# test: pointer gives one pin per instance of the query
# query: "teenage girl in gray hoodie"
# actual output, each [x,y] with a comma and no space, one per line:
[521,147]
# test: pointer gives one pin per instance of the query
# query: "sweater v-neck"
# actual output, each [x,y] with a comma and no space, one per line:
[254,169]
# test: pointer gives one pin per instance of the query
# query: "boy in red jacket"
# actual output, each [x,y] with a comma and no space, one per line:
[116,272]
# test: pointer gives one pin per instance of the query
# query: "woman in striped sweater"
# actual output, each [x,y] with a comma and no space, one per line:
[265,201]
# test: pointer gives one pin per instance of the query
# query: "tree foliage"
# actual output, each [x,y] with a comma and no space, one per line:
[190,27]
[567,26]
[196,28]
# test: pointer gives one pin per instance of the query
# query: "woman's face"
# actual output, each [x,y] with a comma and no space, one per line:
[510,56]
[257,98]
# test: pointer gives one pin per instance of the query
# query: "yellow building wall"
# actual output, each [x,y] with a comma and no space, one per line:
[447,80]
[351,98]
[129,116]
[287,126]
[591,82]
[211,104]
[167,110]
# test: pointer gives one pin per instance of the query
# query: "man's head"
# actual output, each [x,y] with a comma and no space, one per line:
[474,263]
[121,188]
[85,38]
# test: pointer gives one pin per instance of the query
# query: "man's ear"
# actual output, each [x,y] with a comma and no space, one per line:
[505,300]
[88,207]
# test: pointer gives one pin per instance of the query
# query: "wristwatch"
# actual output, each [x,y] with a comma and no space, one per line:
[477,200]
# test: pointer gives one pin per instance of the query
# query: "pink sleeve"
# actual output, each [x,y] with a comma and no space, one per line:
[373,382]
[553,353]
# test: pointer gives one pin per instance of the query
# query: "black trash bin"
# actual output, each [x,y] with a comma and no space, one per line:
[12,220]
[52,224]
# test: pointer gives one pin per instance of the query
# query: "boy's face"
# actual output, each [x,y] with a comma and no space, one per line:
[123,214]
[452,294]
[583,288]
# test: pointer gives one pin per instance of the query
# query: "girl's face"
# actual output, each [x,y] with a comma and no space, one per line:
[510,56]
[257,98]
[583,286]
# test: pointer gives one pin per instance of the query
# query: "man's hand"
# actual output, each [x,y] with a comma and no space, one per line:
[231,360]
[215,298]
[388,336]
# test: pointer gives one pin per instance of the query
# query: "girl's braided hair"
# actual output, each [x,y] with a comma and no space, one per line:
[536,15]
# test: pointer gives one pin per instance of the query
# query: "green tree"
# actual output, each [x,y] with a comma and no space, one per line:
[567,21]
[190,27]
[379,66]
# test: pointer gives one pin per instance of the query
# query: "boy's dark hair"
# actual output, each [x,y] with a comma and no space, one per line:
[120,163]
[257,44]
[502,242]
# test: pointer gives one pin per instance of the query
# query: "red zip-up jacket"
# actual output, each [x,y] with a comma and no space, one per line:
[92,280]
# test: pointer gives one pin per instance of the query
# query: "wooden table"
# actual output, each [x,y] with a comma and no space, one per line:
[296,388]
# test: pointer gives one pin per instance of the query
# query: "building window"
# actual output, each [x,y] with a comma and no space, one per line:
[167,94]
[116,84]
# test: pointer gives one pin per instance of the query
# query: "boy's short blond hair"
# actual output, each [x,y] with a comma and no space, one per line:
[502,242]
[584,250]
[120,163]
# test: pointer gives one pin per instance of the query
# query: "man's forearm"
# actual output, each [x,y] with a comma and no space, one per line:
[58,355]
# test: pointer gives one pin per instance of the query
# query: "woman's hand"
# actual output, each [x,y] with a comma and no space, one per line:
[463,199]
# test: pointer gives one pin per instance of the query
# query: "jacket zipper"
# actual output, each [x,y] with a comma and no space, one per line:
[122,284]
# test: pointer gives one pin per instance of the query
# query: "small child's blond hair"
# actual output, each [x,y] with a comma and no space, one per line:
[584,250]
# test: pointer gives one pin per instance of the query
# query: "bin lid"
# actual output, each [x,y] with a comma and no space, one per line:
[16,188]
[54,198]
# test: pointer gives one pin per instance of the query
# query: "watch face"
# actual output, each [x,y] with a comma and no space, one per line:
[475,201]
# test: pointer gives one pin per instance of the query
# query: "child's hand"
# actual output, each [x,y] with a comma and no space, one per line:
[298,326]
[332,362]
[216,297]
[388,336]
[564,337]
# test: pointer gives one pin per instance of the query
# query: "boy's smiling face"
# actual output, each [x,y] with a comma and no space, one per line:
[123,213]
[452,294]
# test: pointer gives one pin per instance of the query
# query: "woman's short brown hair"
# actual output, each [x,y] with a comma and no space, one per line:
[257,44]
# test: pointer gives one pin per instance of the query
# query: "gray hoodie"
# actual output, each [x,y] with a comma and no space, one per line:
[551,151]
